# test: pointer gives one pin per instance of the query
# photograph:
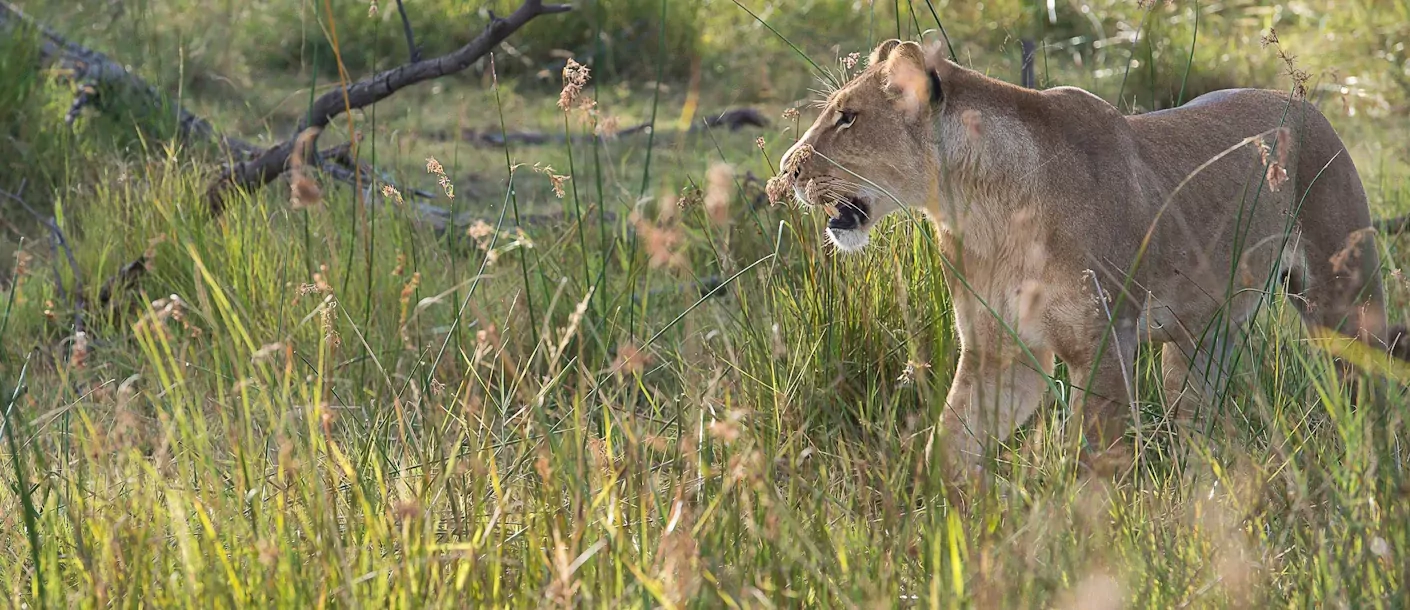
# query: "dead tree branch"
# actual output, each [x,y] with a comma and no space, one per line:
[413,51]
[271,163]
[98,79]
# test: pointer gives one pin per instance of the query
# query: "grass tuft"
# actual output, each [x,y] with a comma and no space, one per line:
[682,399]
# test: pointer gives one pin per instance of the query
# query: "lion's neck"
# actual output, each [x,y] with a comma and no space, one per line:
[987,169]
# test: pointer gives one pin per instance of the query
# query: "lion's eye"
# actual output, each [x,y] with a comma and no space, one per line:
[845,118]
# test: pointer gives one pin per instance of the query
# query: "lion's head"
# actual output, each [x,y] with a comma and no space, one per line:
[872,149]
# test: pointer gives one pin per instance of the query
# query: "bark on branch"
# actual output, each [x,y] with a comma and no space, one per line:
[268,165]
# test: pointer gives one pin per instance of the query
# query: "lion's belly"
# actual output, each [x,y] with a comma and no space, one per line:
[1196,290]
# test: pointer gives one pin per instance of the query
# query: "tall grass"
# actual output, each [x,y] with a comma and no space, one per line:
[726,415]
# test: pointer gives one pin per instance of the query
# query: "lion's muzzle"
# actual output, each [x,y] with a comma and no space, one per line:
[851,216]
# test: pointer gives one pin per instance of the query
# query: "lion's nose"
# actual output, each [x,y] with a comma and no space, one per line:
[851,215]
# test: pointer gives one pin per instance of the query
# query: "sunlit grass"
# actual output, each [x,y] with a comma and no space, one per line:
[672,406]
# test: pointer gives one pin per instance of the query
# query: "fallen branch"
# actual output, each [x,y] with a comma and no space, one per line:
[496,137]
[269,164]
[99,80]
[734,119]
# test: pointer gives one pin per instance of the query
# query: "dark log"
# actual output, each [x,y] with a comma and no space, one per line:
[99,78]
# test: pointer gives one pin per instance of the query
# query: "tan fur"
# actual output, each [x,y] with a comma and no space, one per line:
[1046,202]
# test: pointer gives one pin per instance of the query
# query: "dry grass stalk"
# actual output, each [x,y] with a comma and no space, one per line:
[1299,76]
[719,181]
[608,127]
[661,243]
[779,186]
[304,192]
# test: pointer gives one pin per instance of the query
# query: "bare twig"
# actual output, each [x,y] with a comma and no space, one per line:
[60,243]
[125,277]
[413,51]
[1029,49]
[271,163]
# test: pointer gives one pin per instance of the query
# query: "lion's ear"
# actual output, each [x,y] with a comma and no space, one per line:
[907,77]
[882,51]
[937,51]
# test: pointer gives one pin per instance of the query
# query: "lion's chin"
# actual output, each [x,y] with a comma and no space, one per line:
[849,240]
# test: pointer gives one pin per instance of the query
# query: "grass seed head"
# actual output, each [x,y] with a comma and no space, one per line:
[661,245]
[434,168]
[575,77]
[22,260]
[264,353]
[850,61]
[608,127]
[78,358]
[555,180]
[631,359]
[391,192]
[328,321]
[304,193]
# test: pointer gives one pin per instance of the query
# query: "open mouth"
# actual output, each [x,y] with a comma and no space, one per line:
[852,215]
[848,229]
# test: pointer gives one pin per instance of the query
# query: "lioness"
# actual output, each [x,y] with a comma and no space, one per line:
[1071,231]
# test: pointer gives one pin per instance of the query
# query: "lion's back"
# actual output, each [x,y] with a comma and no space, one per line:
[1214,126]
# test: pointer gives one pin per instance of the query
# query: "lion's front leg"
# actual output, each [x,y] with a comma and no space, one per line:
[1000,381]
[993,394]
[1102,378]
